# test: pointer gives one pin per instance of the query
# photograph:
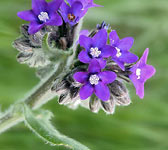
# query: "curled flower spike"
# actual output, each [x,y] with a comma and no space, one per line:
[95,81]
[96,48]
[30,48]
[122,47]
[103,25]
[86,3]
[42,14]
[72,14]
[140,73]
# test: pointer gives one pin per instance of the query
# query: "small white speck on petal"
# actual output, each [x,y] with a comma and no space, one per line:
[138,73]
[118,52]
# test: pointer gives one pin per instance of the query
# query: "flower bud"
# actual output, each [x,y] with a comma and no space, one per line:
[22,45]
[94,104]
[67,89]
[108,106]
[60,87]
[105,26]
[64,99]
[120,93]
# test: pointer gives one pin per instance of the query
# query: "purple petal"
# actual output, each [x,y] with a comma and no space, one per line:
[85,42]
[107,76]
[108,51]
[143,59]
[147,72]
[35,27]
[39,6]
[94,66]
[119,63]
[81,77]
[64,11]
[55,20]
[102,62]
[84,57]
[86,91]
[100,39]
[89,3]
[128,57]
[27,15]
[82,13]
[139,86]
[54,5]
[70,2]
[76,8]
[114,39]
[86,3]
[92,5]
[125,44]
[84,32]
[140,90]
[102,91]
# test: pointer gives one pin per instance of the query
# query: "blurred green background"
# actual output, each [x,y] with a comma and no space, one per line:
[141,126]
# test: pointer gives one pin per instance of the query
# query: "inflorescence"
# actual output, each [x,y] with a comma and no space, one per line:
[102,61]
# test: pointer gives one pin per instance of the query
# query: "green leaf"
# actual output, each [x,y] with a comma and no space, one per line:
[45,44]
[39,123]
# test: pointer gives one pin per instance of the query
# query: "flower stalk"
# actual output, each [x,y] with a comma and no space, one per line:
[39,96]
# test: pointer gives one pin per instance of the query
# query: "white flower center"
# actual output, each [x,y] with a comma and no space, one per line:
[94,79]
[118,52]
[43,16]
[95,52]
[138,73]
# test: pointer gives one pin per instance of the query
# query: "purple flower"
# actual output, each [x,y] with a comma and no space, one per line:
[140,73]
[73,13]
[86,3]
[83,32]
[96,48]
[122,46]
[95,81]
[42,14]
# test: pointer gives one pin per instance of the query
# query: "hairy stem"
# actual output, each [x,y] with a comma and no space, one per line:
[42,93]
[39,96]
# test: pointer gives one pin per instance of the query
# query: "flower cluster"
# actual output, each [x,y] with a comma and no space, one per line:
[96,52]
[50,14]
[99,60]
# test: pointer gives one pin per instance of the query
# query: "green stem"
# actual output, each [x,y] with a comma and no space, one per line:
[39,96]
[42,93]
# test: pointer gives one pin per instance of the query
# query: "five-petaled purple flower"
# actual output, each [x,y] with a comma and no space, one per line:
[122,46]
[96,48]
[95,81]
[73,13]
[140,73]
[86,3]
[42,14]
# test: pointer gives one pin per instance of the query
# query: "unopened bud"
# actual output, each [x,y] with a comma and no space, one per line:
[94,104]
[108,106]
[60,87]
[22,45]
[120,93]
[64,98]
[23,57]
[117,88]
